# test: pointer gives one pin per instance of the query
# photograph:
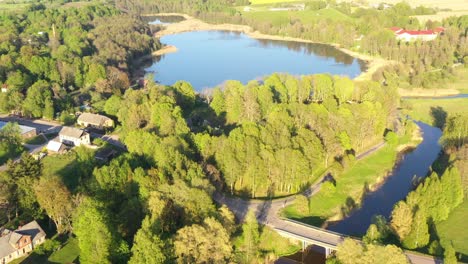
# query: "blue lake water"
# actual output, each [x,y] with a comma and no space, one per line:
[208,58]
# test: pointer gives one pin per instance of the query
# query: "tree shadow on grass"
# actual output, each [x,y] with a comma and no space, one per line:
[439,115]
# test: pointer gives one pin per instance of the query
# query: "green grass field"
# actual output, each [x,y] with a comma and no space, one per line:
[64,166]
[12,8]
[455,229]
[278,18]
[349,188]
[265,2]
[429,110]
[37,140]
[67,254]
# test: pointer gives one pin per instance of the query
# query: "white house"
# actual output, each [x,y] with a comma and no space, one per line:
[16,243]
[55,146]
[413,35]
[74,136]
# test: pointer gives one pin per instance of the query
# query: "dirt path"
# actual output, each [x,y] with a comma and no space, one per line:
[193,24]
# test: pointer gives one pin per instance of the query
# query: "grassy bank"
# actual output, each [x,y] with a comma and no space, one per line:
[434,111]
[330,201]
[455,229]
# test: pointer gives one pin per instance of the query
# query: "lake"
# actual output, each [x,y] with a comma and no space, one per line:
[208,58]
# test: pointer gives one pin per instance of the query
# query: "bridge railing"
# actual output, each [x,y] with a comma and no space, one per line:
[319,229]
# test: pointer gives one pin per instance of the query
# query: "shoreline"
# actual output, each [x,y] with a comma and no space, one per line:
[191,24]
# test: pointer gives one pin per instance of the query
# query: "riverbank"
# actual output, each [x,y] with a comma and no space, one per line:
[334,203]
[194,24]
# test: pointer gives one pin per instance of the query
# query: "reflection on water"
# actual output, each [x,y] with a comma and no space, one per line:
[208,58]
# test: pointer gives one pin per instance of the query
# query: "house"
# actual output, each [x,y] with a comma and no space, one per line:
[74,136]
[25,131]
[413,35]
[94,120]
[55,146]
[17,243]
[5,88]
[105,154]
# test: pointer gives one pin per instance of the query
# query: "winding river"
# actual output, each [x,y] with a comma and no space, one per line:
[415,163]
[208,58]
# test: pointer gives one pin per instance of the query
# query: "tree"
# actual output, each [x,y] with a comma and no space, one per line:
[418,237]
[349,251]
[54,197]
[250,237]
[96,235]
[207,243]
[23,175]
[148,248]
[402,219]
[449,254]
[38,102]
[352,252]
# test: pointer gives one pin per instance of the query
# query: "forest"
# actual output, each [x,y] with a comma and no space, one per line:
[53,60]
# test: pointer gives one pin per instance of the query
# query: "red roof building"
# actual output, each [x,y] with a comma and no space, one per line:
[410,35]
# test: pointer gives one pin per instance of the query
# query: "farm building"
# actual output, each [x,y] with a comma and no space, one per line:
[413,35]
[94,120]
[25,131]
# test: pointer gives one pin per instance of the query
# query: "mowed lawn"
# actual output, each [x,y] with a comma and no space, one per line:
[455,229]
[429,110]
[349,187]
[67,254]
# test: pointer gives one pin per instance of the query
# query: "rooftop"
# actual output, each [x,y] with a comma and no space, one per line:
[72,132]
[9,237]
[94,119]
[23,129]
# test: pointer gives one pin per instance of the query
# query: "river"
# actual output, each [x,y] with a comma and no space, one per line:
[414,163]
[208,58]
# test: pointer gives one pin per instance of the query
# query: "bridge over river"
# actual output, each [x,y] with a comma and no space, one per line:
[267,213]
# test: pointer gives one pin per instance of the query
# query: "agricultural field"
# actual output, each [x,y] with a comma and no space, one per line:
[7,7]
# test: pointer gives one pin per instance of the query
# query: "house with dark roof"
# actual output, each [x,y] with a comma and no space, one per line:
[95,120]
[74,136]
[17,243]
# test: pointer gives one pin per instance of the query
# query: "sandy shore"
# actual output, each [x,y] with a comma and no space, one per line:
[193,24]
[165,50]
